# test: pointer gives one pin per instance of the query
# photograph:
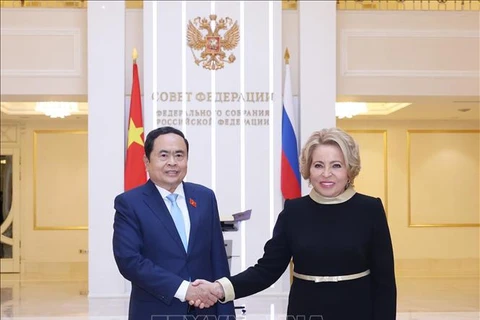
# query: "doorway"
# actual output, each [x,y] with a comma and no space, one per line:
[9,206]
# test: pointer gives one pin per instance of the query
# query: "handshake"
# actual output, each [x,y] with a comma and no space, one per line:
[204,294]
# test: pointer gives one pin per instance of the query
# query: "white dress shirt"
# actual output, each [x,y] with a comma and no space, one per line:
[182,204]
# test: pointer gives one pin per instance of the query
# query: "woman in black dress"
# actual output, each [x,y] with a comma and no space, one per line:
[339,241]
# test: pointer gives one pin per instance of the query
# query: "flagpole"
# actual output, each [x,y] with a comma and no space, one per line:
[286,57]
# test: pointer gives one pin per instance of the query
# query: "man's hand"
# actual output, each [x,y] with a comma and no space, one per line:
[199,294]
[213,288]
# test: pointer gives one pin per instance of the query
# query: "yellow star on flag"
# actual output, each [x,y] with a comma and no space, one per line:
[134,134]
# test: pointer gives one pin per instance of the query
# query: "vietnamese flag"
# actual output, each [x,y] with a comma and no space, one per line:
[135,174]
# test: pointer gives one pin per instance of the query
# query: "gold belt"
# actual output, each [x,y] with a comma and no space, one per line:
[331,278]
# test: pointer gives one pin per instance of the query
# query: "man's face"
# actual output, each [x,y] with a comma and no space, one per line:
[167,165]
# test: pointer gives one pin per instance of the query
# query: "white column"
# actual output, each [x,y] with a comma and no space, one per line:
[106,140]
[150,47]
[317,32]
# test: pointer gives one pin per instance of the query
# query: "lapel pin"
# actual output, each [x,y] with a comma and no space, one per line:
[193,203]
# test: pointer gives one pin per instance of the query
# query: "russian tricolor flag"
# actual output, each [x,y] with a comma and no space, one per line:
[290,175]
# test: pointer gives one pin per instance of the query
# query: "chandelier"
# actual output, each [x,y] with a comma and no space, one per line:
[55,109]
[350,109]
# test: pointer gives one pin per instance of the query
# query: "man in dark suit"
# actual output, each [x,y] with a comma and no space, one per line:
[167,233]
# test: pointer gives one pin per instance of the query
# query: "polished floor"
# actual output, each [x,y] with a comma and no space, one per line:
[418,299]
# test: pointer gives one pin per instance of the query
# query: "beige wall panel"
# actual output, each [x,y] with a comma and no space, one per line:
[370,68]
[407,53]
[373,176]
[60,175]
[43,54]
[373,60]
[444,171]
[41,246]
[28,52]
[393,53]
[429,248]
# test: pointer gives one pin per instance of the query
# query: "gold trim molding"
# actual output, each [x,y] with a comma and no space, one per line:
[358,5]
[35,149]
[65,4]
[73,4]
[409,5]
[409,193]
[81,4]
[289,4]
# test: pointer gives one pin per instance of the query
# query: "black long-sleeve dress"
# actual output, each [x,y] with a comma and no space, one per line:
[329,239]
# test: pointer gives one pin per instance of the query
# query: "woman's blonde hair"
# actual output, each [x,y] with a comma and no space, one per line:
[332,136]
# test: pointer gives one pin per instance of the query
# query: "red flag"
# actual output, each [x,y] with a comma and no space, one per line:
[135,174]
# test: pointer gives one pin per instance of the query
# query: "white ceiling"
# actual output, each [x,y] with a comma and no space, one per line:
[26,110]
[425,108]
[420,108]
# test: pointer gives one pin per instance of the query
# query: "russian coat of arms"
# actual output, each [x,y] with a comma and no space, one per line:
[213,38]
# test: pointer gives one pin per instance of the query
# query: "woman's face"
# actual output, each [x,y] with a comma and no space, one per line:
[328,172]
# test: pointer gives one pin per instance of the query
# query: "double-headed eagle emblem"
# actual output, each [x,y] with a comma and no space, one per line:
[212,43]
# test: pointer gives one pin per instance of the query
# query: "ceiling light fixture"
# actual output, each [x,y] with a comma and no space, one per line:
[350,109]
[55,109]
